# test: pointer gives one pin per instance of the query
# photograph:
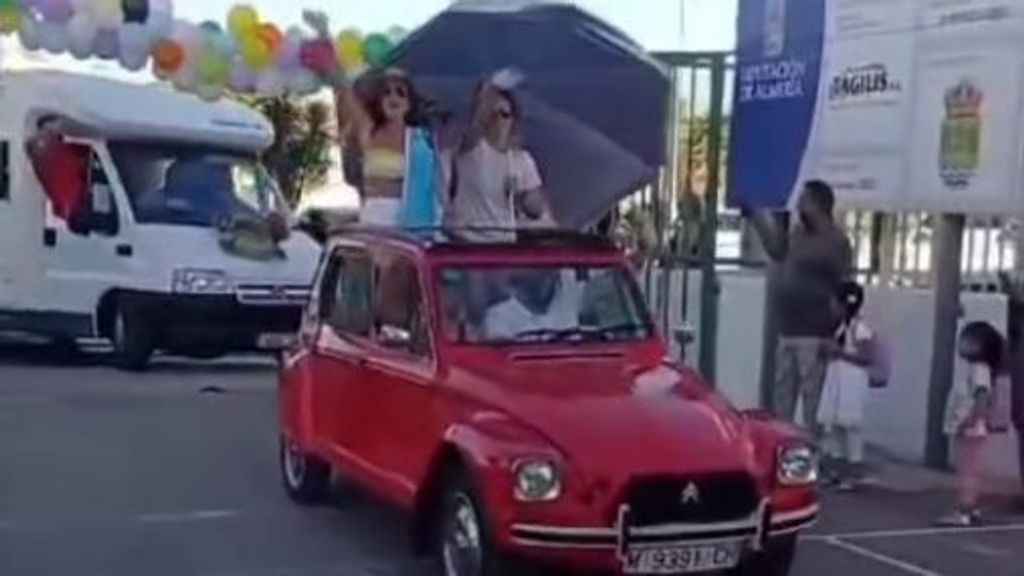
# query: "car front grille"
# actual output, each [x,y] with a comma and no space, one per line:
[659,500]
[273,294]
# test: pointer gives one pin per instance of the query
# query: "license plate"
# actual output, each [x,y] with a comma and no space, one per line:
[275,341]
[682,559]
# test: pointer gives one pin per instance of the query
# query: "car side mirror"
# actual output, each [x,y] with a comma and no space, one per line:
[394,337]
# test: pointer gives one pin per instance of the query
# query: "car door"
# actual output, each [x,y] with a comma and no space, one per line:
[83,265]
[339,354]
[402,366]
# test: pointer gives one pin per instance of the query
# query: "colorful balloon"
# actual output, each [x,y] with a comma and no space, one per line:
[168,56]
[28,34]
[10,20]
[377,49]
[271,36]
[81,36]
[58,11]
[106,44]
[256,53]
[350,49]
[213,68]
[243,20]
[107,14]
[243,79]
[318,55]
[136,11]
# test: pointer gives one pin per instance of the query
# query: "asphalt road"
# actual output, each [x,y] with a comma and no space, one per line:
[174,473]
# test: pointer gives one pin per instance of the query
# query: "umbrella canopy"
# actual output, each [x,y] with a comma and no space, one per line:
[594,102]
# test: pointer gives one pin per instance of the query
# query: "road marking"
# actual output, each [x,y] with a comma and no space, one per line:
[881,558]
[915,532]
[984,550]
[182,517]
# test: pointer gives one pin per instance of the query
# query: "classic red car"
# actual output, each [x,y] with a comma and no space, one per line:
[517,400]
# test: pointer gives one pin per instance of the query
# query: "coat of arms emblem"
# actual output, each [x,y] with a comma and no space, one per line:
[960,147]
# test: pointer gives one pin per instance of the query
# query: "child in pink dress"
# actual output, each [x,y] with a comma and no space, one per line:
[967,414]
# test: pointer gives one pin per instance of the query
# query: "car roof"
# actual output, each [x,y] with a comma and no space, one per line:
[448,243]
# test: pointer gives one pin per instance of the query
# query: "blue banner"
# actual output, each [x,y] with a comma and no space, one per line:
[778,69]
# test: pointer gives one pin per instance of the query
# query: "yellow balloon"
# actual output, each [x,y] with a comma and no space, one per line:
[243,21]
[256,53]
[349,47]
[10,20]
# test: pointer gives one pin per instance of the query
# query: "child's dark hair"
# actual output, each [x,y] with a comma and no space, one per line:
[851,296]
[989,343]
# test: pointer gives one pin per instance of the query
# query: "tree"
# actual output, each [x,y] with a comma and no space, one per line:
[300,157]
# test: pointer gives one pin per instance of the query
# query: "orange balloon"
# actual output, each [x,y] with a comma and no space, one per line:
[272,36]
[169,55]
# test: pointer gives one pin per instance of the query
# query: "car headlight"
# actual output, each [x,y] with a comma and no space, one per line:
[194,281]
[797,465]
[537,481]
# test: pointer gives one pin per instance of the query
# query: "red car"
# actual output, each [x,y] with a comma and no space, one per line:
[517,400]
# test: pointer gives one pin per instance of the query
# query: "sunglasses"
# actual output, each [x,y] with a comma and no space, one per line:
[398,91]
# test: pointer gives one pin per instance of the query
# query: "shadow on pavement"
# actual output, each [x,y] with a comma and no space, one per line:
[43,354]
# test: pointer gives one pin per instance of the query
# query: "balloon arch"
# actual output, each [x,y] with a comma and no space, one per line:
[244,55]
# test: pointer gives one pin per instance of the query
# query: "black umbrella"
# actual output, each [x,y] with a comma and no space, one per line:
[595,102]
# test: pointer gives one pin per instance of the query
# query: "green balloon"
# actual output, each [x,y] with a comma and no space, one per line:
[214,69]
[377,49]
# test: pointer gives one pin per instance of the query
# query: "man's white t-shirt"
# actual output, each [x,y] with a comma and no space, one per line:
[507,320]
[488,182]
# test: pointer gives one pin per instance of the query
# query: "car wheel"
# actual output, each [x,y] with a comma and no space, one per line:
[306,478]
[775,560]
[132,336]
[465,546]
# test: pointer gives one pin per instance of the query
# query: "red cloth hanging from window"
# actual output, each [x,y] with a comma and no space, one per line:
[63,171]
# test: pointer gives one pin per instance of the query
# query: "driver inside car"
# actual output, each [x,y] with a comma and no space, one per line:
[538,301]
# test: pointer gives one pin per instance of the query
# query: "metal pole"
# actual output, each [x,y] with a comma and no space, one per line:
[946,264]
[709,231]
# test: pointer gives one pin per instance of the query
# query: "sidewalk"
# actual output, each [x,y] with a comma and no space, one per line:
[895,475]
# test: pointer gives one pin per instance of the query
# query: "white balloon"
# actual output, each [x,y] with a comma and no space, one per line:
[28,33]
[133,61]
[133,38]
[189,36]
[159,25]
[53,37]
[185,79]
[243,79]
[270,83]
[210,93]
[81,34]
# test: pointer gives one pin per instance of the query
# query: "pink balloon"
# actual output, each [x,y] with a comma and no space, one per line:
[318,56]
[54,10]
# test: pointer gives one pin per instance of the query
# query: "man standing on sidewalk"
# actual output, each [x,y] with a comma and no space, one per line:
[815,257]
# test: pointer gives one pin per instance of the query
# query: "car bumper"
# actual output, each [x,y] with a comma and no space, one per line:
[198,324]
[603,547]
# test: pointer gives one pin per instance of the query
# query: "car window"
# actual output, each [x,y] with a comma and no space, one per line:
[530,304]
[345,295]
[399,320]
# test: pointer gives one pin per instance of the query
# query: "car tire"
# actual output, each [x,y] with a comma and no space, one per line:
[306,478]
[464,543]
[775,560]
[132,337]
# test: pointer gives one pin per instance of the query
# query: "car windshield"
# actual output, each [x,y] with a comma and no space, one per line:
[542,304]
[184,185]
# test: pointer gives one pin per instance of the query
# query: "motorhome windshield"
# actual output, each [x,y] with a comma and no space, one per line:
[184,185]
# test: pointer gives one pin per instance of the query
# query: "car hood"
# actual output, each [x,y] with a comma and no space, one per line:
[612,418]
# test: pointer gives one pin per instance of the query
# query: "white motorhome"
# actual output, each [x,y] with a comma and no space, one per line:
[152,270]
